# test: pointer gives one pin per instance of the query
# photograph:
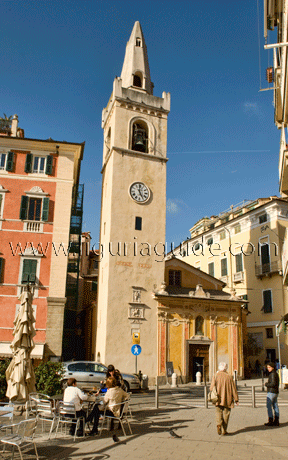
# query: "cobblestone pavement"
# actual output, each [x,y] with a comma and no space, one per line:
[249,439]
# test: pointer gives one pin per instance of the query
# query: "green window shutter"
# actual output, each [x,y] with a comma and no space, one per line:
[239,264]
[49,165]
[1,268]
[28,163]
[267,301]
[1,199]
[29,271]
[10,161]
[45,209]
[211,268]
[224,270]
[24,207]
[94,286]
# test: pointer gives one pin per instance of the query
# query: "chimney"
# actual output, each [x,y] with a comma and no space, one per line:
[14,126]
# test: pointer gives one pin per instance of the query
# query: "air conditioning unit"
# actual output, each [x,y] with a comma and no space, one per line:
[238,277]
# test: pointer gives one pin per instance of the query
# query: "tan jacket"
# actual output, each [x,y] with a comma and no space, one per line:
[226,389]
[114,396]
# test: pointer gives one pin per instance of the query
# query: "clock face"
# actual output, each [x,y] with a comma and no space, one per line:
[139,192]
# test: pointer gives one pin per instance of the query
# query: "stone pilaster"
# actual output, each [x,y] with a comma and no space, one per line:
[54,327]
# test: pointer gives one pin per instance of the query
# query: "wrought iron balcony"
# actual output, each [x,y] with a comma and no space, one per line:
[268,269]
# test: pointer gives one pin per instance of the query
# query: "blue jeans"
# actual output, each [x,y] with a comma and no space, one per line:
[272,403]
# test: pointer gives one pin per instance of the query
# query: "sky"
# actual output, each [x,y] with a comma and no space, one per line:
[58,63]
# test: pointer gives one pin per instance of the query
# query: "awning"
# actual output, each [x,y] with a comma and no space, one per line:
[37,352]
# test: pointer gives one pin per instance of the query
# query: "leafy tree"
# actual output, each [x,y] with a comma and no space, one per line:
[4,363]
[5,122]
[48,378]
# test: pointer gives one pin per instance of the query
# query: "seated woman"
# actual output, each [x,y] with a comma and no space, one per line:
[112,372]
[113,398]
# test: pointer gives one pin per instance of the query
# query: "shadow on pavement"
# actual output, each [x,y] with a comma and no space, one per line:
[140,426]
[258,428]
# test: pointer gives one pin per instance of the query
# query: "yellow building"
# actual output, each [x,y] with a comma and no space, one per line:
[275,18]
[242,247]
[199,325]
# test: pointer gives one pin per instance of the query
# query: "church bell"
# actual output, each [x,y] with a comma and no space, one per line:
[140,140]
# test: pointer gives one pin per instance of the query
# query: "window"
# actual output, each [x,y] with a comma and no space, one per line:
[2,160]
[174,278]
[271,354]
[211,268]
[138,41]
[263,218]
[34,208]
[140,137]
[210,241]
[222,235]
[138,223]
[7,161]
[1,203]
[39,164]
[267,301]
[1,269]
[199,325]
[239,263]
[137,81]
[237,228]
[224,268]
[269,332]
[94,286]
[196,246]
[29,271]
[265,257]
[95,264]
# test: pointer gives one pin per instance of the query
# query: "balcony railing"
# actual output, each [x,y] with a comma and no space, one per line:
[268,269]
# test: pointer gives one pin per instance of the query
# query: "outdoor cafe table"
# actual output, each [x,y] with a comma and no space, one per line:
[89,403]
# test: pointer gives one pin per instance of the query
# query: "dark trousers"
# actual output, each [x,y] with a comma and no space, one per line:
[79,413]
[94,416]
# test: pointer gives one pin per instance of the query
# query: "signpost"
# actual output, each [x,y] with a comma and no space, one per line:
[136,350]
[136,338]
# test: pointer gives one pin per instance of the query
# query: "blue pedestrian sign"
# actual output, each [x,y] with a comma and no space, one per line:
[136,350]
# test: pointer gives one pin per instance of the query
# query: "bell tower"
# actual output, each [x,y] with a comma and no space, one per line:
[133,213]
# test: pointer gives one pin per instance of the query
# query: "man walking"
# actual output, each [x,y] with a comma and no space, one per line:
[272,395]
[227,395]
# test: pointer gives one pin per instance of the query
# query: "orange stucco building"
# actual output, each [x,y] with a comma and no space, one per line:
[38,180]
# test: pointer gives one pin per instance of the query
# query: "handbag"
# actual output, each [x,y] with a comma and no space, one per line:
[213,395]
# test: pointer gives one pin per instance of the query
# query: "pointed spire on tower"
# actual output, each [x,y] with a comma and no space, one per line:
[135,71]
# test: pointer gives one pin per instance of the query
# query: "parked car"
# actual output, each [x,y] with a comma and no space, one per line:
[89,374]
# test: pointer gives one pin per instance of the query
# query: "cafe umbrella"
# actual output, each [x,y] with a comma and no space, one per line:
[20,375]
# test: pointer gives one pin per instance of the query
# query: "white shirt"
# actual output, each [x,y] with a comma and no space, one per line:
[74,395]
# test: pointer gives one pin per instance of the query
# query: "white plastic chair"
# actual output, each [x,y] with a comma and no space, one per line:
[124,407]
[23,437]
[67,416]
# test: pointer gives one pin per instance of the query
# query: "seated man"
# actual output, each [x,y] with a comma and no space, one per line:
[114,396]
[73,395]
